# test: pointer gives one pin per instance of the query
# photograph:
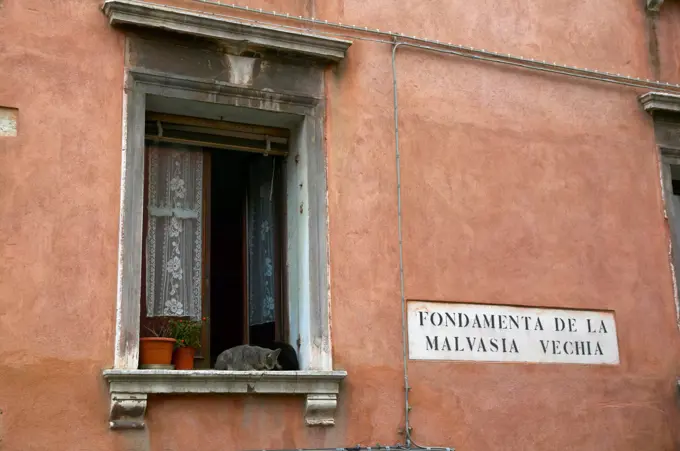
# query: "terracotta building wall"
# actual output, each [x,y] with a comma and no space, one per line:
[542,199]
[59,200]
[518,188]
[668,35]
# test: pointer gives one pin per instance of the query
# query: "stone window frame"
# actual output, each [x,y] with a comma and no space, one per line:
[660,105]
[307,219]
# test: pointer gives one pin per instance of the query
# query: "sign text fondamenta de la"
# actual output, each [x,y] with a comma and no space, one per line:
[494,333]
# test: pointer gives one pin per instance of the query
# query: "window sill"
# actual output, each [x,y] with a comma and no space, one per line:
[129,390]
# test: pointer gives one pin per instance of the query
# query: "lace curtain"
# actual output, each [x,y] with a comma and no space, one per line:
[174,234]
[261,232]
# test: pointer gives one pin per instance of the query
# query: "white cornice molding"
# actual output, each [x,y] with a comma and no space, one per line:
[129,390]
[152,15]
[659,101]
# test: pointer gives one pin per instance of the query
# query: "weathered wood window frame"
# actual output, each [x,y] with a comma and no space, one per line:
[307,230]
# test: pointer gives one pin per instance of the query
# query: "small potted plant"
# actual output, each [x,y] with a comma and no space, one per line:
[156,351]
[187,334]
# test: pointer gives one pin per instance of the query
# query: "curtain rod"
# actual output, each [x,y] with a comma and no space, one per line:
[218,124]
[192,142]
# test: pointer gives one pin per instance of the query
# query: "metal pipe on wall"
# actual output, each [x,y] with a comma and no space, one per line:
[407,388]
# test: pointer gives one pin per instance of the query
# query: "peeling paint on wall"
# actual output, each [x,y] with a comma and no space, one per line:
[8,121]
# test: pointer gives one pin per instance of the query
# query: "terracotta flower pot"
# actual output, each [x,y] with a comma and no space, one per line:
[184,358]
[155,350]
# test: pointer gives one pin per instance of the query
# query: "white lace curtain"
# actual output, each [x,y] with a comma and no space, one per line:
[261,233]
[174,234]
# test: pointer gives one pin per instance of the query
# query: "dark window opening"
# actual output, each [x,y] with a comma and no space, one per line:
[676,187]
[675,179]
[245,303]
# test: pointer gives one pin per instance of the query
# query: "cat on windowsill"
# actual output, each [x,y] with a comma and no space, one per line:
[265,357]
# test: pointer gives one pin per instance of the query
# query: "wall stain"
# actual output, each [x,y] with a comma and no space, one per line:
[653,40]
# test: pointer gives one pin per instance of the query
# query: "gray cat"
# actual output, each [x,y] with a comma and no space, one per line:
[248,358]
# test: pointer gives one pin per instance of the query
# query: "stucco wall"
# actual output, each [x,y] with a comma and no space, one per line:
[59,198]
[518,188]
[530,191]
[668,34]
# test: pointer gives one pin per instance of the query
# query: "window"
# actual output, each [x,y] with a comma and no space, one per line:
[276,80]
[665,110]
[670,169]
[303,274]
[169,71]
[213,230]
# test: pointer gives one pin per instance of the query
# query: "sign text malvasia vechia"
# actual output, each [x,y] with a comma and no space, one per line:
[494,333]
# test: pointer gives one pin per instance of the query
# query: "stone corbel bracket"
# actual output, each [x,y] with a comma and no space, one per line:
[127,410]
[654,5]
[129,390]
[320,409]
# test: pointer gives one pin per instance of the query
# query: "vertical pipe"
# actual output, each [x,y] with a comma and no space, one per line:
[407,429]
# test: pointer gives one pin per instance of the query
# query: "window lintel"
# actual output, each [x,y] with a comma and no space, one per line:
[654,102]
[152,15]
